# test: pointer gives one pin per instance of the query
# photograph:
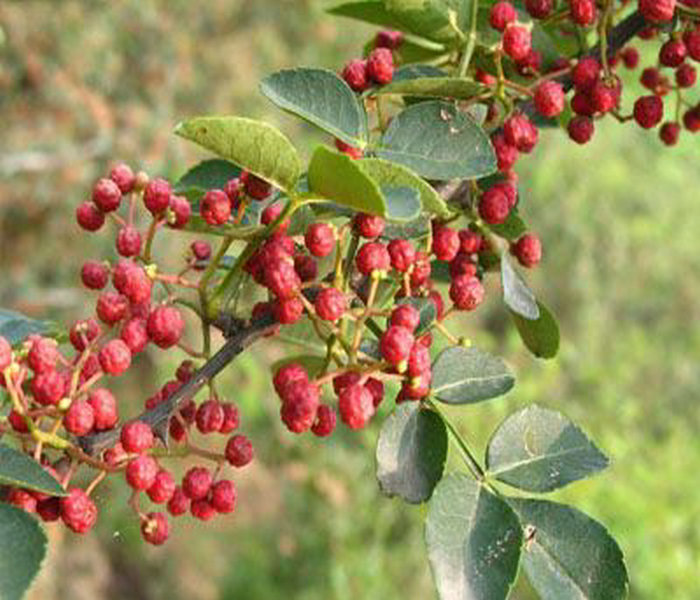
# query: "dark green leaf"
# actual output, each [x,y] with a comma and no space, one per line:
[208,174]
[403,203]
[322,98]
[435,87]
[568,555]
[411,453]
[540,450]
[392,174]
[302,334]
[22,551]
[410,72]
[468,375]
[411,52]
[15,327]
[474,540]
[426,309]
[339,178]
[512,228]
[19,470]
[437,141]
[255,146]
[516,294]
[541,336]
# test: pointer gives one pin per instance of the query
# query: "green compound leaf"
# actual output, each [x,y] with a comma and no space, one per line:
[568,555]
[437,141]
[322,98]
[415,72]
[255,146]
[387,173]
[206,175]
[22,551]
[468,375]
[19,470]
[435,87]
[541,336]
[426,309]
[512,228]
[411,453]
[516,293]
[341,179]
[403,203]
[540,450]
[474,540]
[15,327]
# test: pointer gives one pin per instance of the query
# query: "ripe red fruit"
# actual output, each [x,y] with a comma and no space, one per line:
[22,499]
[470,241]
[405,315]
[325,421]
[355,75]
[123,176]
[271,213]
[165,326]
[528,250]
[549,98]
[466,292]
[48,388]
[388,38]
[686,76]
[215,207]
[648,111]
[18,422]
[288,374]
[402,254]
[179,504]
[281,278]
[82,333]
[380,66]
[288,311]
[132,281]
[583,12]
[239,451]
[89,216]
[43,355]
[669,133]
[106,195]
[155,528]
[368,226]
[201,250]
[517,42]
[104,409]
[256,188]
[502,14]
[196,483]
[691,119]
[202,510]
[355,406]
[137,437]
[421,269]
[582,104]
[372,256]
[539,9]
[163,487]
[5,353]
[320,239]
[672,53]
[306,267]
[692,43]
[141,472]
[445,243]
[351,151]
[520,132]
[630,57]
[506,155]
[78,511]
[494,206]
[376,388]
[128,241]
[603,97]
[231,418]
[234,189]
[223,496]
[179,213]
[586,73]
[581,129]
[210,416]
[94,275]
[156,196]
[135,335]
[111,307]
[462,264]
[418,360]
[300,401]
[330,304]
[79,418]
[49,509]
[395,344]
[657,11]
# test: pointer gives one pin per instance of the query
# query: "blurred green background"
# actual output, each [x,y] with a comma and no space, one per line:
[83,84]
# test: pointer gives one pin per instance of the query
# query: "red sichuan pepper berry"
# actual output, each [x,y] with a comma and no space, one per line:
[528,250]
[258,189]
[330,304]
[48,388]
[520,132]
[648,111]
[123,176]
[445,243]
[402,254]
[549,98]
[165,326]
[300,400]
[179,212]
[320,239]
[89,216]
[368,226]
[106,195]
[372,256]
[78,511]
[94,275]
[43,355]
[239,451]
[380,66]
[155,528]
[355,406]
[494,206]
[216,208]
[325,421]
[156,196]
[517,42]
[80,418]
[405,315]
[196,483]
[502,14]
[128,241]
[137,437]
[580,129]
[395,344]
[355,75]
[466,292]
[231,418]
[163,487]
[388,38]
[669,133]
[179,503]
[210,416]
[582,12]
[104,408]
[141,472]
[223,496]
[657,11]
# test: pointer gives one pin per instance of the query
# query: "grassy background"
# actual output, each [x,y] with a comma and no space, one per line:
[85,83]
